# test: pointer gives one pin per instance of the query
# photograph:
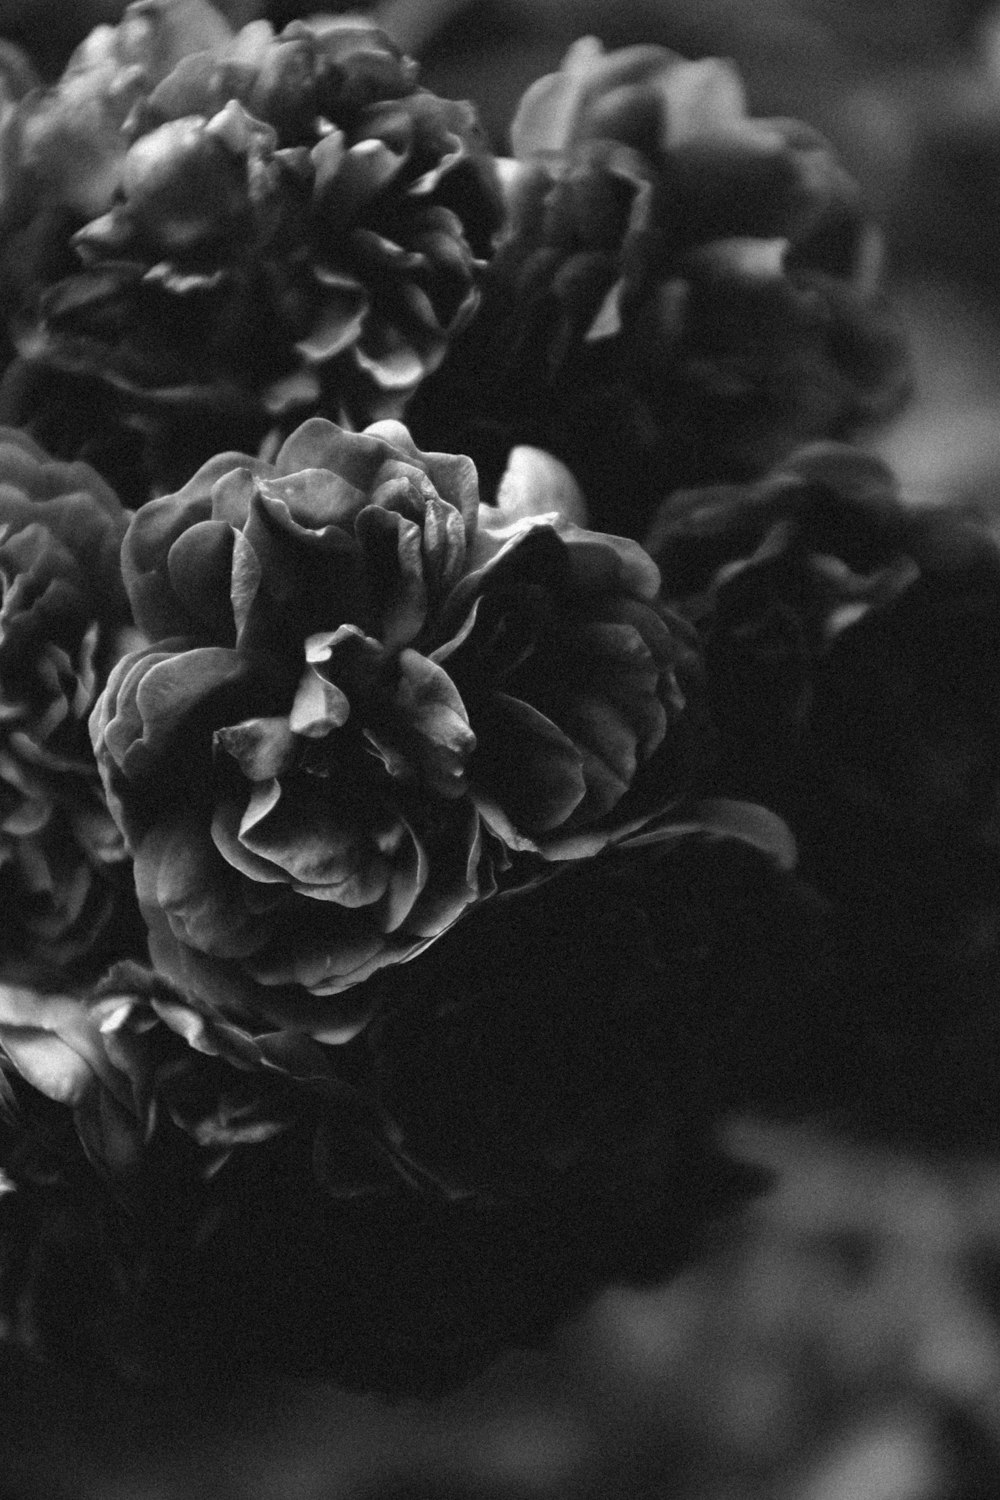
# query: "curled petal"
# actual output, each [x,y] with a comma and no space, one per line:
[263,748]
[48,1041]
[528,767]
[319,706]
[177,685]
[534,485]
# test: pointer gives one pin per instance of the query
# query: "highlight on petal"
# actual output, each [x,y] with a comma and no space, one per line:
[263,748]
[31,1027]
[704,98]
[535,484]
[436,732]
[319,706]
[48,1063]
[548,112]
[724,818]
[179,684]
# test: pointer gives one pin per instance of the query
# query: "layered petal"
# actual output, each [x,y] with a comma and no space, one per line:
[382,695]
[64,621]
[217,233]
[682,294]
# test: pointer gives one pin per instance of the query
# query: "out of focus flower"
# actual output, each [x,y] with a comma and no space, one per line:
[904,737]
[227,231]
[64,148]
[770,573]
[17,77]
[918,673]
[365,695]
[849,645]
[117,1118]
[683,293]
[127,1054]
[64,620]
[472,1168]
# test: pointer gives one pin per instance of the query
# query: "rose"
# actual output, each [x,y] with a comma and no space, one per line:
[770,573]
[65,144]
[849,639]
[128,1055]
[903,747]
[270,224]
[64,620]
[918,672]
[683,291]
[385,187]
[753,188]
[364,695]
[119,1117]
[63,150]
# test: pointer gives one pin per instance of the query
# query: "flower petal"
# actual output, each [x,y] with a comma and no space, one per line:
[526,765]
[435,732]
[319,706]
[534,484]
[262,747]
[180,873]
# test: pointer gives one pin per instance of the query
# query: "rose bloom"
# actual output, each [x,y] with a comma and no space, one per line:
[64,620]
[683,291]
[771,573]
[850,645]
[128,1056]
[904,741]
[366,701]
[223,231]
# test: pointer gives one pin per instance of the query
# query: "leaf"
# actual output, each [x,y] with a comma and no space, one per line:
[722,818]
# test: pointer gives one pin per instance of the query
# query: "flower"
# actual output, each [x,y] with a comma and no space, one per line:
[849,639]
[365,695]
[126,1054]
[150,1194]
[65,146]
[115,1128]
[64,619]
[902,743]
[771,573]
[682,294]
[265,225]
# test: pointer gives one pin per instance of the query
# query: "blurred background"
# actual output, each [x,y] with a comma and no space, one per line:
[840,1338]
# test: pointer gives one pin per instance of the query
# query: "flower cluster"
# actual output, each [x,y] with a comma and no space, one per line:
[403,864]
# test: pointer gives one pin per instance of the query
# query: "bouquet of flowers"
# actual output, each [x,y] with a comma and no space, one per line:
[468,717]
